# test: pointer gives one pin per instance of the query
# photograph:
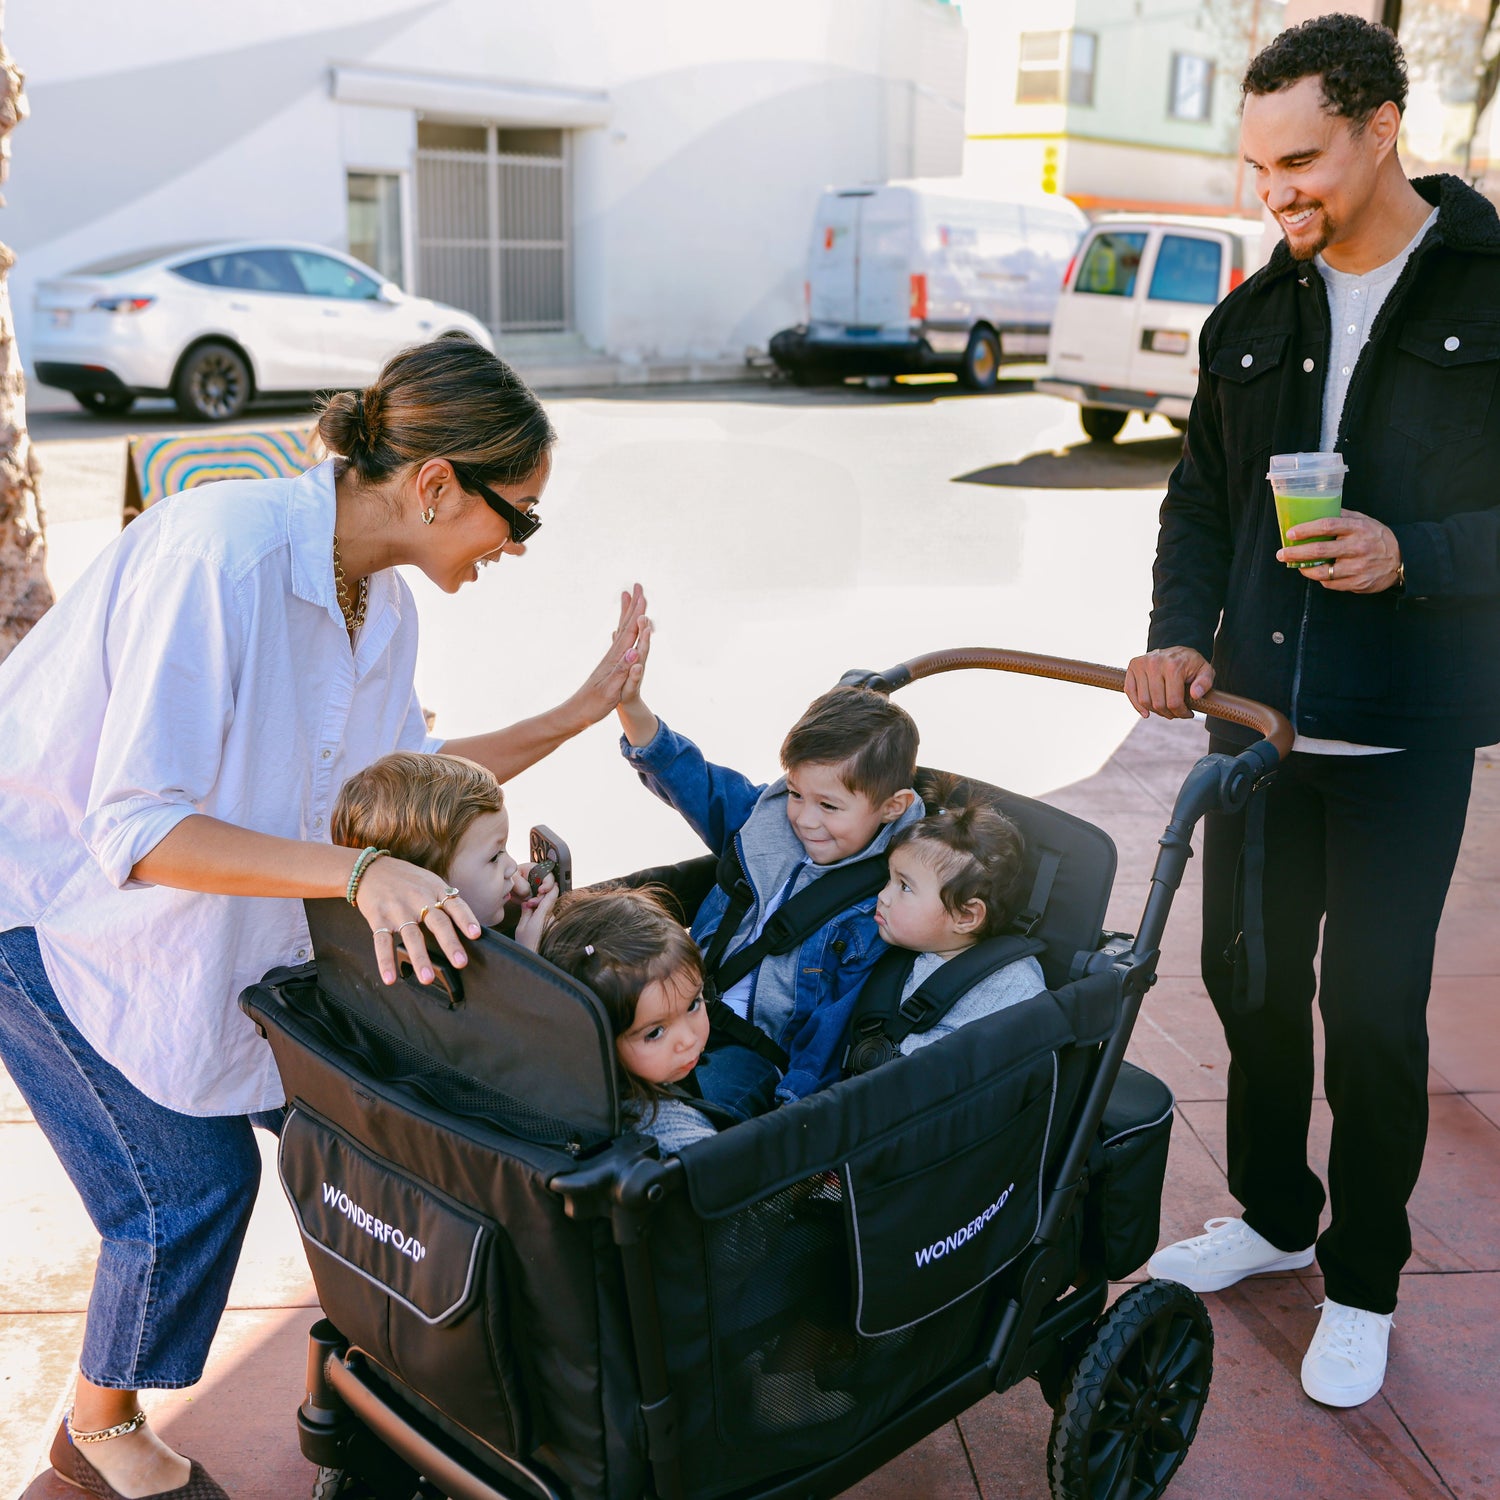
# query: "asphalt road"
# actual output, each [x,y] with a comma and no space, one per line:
[784,536]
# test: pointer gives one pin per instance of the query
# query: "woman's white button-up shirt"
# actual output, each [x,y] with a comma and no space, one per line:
[200,665]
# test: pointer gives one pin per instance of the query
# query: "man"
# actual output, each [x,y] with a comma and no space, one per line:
[1374,330]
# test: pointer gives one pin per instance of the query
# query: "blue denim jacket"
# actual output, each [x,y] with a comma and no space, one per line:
[802,1000]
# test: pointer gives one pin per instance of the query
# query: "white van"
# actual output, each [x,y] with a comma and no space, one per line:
[912,276]
[1125,332]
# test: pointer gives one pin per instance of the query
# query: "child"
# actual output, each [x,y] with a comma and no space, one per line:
[850,761]
[447,815]
[955,879]
[648,974]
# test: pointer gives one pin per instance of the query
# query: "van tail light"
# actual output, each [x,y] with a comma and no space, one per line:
[1236,276]
[123,304]
[919,296]
[1067,280]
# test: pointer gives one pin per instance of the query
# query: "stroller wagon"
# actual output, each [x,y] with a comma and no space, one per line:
[524,1302]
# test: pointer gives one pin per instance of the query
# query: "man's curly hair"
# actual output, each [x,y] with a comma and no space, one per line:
[1360,65]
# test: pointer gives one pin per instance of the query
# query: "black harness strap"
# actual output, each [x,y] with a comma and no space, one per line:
[688,1092]
[883,1020]
[736,1030]
[1028,920]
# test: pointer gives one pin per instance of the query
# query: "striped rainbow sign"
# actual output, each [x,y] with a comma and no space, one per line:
[160,466]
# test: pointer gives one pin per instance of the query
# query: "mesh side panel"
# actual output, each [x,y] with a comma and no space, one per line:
[786,1356]
[392,1061]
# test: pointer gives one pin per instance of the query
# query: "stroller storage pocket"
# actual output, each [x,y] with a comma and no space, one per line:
[949,1201]
[407,1274]
[1130,1166]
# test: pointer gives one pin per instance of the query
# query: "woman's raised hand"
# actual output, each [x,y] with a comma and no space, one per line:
[620,670]
[398,900]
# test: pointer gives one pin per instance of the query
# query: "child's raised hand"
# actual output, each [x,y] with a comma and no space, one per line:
[602,689]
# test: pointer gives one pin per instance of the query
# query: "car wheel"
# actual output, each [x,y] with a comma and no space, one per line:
[981,366]
[105,403]
[213,384]
[1100,423]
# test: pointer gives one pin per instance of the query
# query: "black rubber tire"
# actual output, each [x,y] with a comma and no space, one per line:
[1129,1414]
[212,384]
[329,1484]
[980,370]
[105,403]
[1101,423]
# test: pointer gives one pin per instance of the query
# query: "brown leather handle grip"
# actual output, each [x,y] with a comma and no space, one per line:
[1258,716]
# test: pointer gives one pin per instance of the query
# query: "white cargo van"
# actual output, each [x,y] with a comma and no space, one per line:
[914,276]
[1125,332]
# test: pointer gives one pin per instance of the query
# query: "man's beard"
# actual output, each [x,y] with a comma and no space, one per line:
[1307,250]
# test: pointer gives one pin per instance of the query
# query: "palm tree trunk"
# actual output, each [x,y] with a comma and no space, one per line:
[25,594]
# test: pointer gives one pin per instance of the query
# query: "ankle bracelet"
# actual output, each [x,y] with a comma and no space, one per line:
[104,1434]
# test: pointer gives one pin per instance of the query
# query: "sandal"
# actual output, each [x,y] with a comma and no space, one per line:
[73,1468]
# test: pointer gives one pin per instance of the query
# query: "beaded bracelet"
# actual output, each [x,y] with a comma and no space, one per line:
[366,859]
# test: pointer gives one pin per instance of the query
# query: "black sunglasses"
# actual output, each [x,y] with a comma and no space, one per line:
[522,523]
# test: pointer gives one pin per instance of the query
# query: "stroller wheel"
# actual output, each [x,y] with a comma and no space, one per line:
[329,1484]
[1131,1408]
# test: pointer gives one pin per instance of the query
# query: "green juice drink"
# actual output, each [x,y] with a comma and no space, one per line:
[1308,487]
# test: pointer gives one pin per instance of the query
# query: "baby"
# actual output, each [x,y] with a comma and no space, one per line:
[955,879]
[447,815]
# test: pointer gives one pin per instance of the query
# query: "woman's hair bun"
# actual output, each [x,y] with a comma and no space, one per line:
[341,424]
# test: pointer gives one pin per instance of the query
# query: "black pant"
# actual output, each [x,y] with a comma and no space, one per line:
[1371,842]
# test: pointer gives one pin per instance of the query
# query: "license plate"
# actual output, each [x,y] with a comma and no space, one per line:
[862,330]
[1170,341]
[62,317]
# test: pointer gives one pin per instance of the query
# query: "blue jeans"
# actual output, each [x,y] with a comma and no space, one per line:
[170,1194]
[737,1079]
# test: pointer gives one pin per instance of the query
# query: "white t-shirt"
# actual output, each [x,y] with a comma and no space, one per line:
[1354,302]
[200,665]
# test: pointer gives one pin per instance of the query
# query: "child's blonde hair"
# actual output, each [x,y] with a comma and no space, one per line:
[417,806]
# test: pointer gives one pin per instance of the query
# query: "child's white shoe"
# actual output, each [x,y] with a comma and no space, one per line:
[1345,1363]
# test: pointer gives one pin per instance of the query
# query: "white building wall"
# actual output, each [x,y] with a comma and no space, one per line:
[175,120]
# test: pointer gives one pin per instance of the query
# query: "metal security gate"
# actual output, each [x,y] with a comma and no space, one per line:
[492,224]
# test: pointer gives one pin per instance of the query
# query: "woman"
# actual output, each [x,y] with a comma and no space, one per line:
[175,732]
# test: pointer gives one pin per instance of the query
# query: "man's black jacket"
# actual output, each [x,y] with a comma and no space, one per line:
[1420,432]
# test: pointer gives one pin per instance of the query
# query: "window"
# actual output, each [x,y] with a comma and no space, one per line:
[1110,264]
[323,276]
[1192,96]
[375,223]
[245,271]
[1057,67]
[1187,270]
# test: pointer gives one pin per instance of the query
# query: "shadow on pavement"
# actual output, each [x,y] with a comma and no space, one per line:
[159,416]
[1138,465]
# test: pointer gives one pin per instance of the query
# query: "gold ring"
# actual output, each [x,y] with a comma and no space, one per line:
[1331,562]
[422,915]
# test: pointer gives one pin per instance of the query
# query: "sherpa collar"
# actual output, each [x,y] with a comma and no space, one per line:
[1466,221]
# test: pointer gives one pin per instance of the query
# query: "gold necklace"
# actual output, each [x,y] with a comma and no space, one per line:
[353,610]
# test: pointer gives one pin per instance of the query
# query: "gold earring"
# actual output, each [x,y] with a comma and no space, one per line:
[428,515]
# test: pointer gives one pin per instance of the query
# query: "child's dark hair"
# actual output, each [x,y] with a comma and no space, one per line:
[860,731]
[617,942]
[978,852]
[1359,63]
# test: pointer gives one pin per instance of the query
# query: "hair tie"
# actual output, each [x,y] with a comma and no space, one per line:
[361,431]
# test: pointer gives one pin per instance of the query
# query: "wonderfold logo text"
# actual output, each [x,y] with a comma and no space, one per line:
[405,1244]
[951,1242]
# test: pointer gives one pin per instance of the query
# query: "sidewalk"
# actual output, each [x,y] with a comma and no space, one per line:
[1433,1432]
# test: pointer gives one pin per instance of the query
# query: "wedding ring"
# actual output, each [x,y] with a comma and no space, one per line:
[382,931]
[1331,562]
[415,922]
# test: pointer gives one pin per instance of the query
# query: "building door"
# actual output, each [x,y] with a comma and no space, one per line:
[492,224]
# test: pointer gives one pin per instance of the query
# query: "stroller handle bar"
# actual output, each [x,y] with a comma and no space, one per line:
[1245,711]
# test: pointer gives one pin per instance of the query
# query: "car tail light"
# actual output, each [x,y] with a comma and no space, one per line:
[122,304]
[1236,276]
[807,302]
[918,295]
[1067,280]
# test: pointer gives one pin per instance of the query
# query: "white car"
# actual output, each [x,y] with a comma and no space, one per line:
[1125,330]
[214,325]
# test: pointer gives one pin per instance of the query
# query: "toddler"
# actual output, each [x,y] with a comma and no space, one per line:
[447,815]
[955,879]
[648,974]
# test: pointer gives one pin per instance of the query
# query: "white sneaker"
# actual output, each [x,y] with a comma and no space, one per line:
[1230,1251]
[1345,1363]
